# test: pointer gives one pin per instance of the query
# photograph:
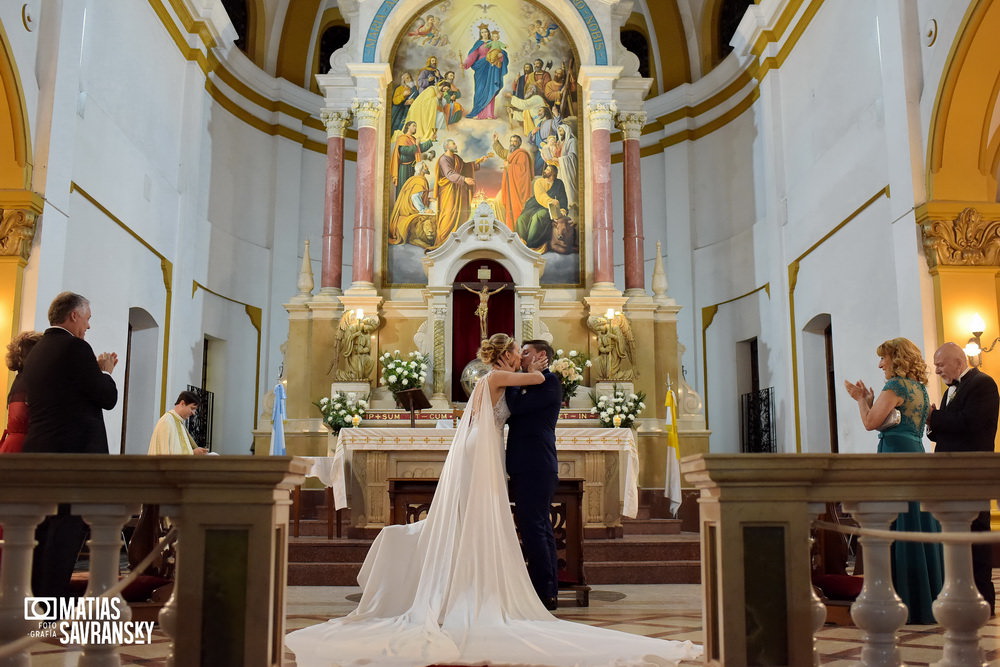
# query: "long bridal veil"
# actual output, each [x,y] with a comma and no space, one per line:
[453,588]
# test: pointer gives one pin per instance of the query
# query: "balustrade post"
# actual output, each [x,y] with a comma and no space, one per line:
[169,612]
[105,545]
[19,522]
[818,608]
[959,607]
[878,611]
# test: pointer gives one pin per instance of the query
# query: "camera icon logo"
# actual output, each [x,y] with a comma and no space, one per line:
[40,609]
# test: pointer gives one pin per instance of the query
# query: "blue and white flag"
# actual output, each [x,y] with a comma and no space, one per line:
[278,421]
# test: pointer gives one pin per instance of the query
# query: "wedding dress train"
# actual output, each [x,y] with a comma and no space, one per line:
[453,589]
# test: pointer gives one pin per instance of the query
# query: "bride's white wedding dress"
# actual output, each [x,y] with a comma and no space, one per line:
[453,589]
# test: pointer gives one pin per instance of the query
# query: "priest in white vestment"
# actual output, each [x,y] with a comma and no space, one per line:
[170,437]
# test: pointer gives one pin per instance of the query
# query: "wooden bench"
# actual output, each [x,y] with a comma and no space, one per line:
[410,500]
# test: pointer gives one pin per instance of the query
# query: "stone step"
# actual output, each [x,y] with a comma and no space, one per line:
[644,572]
[651,526]
[643,548]
[636,559]
[323,574]
[321,550]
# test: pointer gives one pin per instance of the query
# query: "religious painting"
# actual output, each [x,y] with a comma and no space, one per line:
[483,108]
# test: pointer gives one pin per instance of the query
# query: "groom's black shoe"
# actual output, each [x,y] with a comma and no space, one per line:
[551,603]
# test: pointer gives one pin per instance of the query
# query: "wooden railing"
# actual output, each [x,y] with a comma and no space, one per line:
[231,514]
[756,512]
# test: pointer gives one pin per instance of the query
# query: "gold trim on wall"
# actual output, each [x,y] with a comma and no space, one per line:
[256,315]
[165,266]
[793,274]
[210,64]
[707,317]
[20,130]
[755,70]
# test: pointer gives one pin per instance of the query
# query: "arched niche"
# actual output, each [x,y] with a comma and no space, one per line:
[964,142]
[500,313]
[392,16]
[482,238]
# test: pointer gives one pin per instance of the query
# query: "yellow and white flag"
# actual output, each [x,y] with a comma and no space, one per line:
[672,484]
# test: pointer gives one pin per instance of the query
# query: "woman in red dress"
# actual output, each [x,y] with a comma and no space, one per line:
[17,404]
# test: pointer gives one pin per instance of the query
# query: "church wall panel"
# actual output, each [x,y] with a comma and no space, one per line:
[832,121]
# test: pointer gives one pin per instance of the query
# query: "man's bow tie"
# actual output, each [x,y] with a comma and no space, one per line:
[955,383]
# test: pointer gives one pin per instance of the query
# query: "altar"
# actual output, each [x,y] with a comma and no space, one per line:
[365,459]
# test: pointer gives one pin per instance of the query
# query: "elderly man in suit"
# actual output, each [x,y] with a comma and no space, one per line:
[68,388]
[967,422]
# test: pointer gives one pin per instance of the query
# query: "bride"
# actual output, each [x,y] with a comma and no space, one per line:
[453,589]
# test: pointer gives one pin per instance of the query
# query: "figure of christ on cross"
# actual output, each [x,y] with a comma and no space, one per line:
[482,310]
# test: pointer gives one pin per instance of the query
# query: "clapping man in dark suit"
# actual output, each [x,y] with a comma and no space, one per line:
[534,470]
[68,389]
[967,422]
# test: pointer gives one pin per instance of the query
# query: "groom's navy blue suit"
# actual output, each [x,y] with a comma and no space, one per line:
[534,474]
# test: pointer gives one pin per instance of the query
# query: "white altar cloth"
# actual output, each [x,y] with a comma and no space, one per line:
[620,440]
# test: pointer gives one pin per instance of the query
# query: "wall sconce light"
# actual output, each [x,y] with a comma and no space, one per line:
[974,348]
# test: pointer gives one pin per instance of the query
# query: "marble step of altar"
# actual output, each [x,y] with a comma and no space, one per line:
[314,560]
[651,526]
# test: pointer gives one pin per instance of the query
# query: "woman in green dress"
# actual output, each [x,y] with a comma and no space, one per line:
[917,570]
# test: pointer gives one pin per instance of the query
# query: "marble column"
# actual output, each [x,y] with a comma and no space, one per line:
[440,314]
[366,113]
[635,273]
[333,209]
[602,116]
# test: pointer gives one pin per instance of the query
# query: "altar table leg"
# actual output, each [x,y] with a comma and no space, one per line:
[297,504]
[330,513]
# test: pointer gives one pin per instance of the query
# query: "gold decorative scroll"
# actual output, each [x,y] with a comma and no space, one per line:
[17,229]
[968,240]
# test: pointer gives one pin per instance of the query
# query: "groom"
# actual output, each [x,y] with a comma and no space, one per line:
[533,470]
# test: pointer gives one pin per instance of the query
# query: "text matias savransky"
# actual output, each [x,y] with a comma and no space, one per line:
[85,620]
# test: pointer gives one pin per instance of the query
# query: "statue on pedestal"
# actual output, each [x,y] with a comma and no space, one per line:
[354,346]
[615,346]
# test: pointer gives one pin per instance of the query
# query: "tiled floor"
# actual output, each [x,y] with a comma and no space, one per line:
[665,611]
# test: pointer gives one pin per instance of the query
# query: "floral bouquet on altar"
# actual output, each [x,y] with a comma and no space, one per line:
[619,409]
[341,410]
[569,370]
[399,373]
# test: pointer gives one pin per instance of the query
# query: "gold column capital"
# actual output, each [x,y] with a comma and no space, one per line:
[367,111]
[631,123]
[602,115]
[968,239]
[17,229]
[336,122]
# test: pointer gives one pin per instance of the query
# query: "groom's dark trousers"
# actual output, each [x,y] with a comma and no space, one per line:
[534,474]
[968,423]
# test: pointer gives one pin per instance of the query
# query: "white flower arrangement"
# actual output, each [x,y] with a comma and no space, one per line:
[342,409]
[619,409]
[569,369]
[400,373]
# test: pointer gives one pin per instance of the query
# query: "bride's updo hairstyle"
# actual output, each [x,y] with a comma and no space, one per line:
[494,347]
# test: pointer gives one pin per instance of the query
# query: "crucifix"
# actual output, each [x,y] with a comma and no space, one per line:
[482,310]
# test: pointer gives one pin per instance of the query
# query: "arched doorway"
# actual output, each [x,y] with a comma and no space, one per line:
[466,332]
[139,413]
